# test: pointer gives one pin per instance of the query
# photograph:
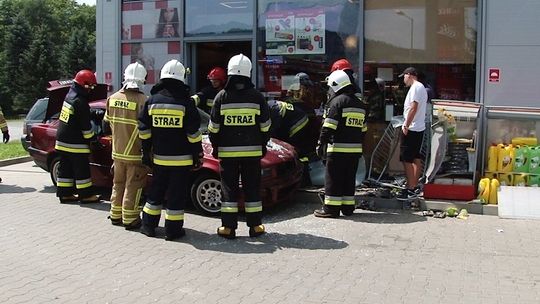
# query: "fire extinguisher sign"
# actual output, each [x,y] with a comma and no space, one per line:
[108,77]
[494,75]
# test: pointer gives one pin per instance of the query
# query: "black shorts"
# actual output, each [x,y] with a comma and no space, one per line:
[411,145]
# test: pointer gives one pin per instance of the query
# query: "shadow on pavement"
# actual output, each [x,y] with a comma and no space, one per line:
[385,217]
[267,243]
[48,189]
[6,188]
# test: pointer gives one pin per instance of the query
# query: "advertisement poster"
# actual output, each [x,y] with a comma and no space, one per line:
[295,32]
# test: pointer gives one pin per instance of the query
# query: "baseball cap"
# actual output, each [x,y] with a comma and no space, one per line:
[409,70]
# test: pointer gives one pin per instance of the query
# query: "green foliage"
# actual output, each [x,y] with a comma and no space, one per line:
[42,40]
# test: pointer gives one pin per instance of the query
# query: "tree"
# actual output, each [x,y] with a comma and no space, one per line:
[37,67]
[17,39]
[79,53]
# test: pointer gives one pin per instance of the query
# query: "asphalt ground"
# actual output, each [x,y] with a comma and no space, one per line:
[53,253]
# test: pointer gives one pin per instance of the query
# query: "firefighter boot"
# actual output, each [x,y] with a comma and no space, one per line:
[115,222]
[149,224]
[90,199]
[226,232]
[68,199]
[136,224]
[324,213]
[256,231]
[174,230]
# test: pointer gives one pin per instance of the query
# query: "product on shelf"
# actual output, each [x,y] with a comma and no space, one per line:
[505,158]
[493,192]
[522,159]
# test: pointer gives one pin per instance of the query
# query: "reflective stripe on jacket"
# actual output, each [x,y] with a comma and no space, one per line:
[123,109]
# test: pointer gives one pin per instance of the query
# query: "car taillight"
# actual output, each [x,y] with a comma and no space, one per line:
[24,128]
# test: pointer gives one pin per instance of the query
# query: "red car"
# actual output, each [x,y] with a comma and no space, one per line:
[281,171]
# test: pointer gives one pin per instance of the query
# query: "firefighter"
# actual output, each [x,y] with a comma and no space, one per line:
[289,125]
[169,127]
[239,125]
[346,66]
[340,143]
[4,128]
[205,98]
[73,139]
[129,178]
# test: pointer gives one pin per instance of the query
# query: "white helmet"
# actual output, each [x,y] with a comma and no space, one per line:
[338,80]
[239,65]
[134,76]
[173,69]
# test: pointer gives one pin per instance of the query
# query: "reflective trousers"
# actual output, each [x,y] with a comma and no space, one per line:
[340,183]
[171,183]
[74,175]
[128,183]
[249,171]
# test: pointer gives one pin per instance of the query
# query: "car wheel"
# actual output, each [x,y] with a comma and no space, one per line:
[53,169]
[206,193]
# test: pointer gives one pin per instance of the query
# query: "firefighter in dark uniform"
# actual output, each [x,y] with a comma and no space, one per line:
[290,124]
[205,98]
[340,143]
[73,140]
[239,125]
[123,109]
[169,127]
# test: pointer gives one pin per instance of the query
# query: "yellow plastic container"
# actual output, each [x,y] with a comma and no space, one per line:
[529,141]
[491,175]
[505,179]
[483,190]
[493,153]
[494,189]
[505,158]
[520,179]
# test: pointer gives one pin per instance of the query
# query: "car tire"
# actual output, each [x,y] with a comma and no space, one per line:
[206,193]
[53,169]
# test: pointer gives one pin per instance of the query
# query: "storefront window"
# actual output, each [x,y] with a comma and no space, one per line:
[214,17]
[436,37]
[304,36]
[150,19]
[152,56]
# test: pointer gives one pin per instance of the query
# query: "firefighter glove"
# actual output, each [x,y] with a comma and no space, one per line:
[5,137]
[321,150]
[197,160]
[147,160]
[215,152]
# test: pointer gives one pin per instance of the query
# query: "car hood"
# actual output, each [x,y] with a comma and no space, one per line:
[58,90]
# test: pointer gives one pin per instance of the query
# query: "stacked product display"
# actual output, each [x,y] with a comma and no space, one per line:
[515,164]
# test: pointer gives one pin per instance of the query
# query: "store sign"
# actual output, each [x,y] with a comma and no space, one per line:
[494,75]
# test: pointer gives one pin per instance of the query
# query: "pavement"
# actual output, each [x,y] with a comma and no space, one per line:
[53,253]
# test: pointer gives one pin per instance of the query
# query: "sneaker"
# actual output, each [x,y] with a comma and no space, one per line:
[407,195]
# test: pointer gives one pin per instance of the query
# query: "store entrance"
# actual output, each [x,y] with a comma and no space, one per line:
[206,55]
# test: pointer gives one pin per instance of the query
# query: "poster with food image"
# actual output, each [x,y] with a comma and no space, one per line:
[310,28]
[280,33]
[295,32]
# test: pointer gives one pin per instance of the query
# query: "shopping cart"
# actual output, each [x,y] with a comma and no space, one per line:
[385,149]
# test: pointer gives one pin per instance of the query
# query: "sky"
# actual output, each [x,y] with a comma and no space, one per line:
[89,2]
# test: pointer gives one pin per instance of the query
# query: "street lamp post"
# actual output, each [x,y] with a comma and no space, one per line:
[401,13]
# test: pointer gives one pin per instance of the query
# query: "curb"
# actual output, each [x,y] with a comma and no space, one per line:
[16,160]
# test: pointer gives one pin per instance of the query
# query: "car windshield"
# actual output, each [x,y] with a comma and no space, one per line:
[37,112]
